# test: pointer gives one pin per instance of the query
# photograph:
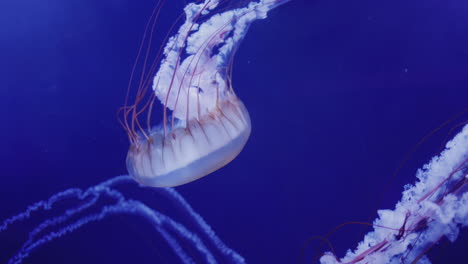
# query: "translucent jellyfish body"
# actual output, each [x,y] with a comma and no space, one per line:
[193,151]
[205,125]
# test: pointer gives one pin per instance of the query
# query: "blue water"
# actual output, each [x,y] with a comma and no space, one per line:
[338,93]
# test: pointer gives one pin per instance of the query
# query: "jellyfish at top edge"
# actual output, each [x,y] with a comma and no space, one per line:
[209,127]
[209,124]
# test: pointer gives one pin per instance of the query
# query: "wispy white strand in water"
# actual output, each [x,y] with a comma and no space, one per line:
[434,207]
[161,223]
[204,227]
[77,217]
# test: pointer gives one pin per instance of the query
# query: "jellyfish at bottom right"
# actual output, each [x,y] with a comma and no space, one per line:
[434,207]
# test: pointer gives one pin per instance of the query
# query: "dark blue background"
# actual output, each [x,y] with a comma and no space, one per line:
[338,92]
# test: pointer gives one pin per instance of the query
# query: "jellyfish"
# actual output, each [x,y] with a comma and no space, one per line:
[436,206]
[209,125]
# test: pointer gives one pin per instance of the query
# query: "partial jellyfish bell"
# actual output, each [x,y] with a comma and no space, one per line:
[190,152]
[209,125]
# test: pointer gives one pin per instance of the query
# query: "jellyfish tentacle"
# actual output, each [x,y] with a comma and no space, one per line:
[202,225]
[432,208]
[76,217]
[133,207]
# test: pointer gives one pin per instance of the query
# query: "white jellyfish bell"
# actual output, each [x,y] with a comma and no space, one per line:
[210,124]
